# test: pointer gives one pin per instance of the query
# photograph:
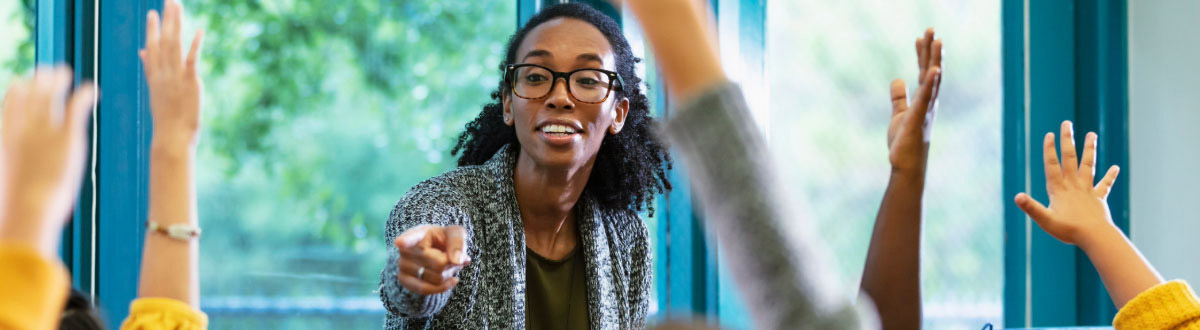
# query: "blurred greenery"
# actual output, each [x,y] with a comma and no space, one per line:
[17,19]
[319,116]
[831,64]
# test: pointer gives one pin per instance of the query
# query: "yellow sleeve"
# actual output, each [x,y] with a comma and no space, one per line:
[35,289]
[164,313]
[1171,305]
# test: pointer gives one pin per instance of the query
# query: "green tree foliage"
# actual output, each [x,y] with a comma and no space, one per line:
[319,116]
[17,21]
[831,64]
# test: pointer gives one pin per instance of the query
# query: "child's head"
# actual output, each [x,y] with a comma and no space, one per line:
[79,314]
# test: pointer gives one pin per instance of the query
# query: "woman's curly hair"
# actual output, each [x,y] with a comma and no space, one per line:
[630,166]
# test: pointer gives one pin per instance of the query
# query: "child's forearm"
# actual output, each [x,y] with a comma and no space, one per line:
[1124,270]
[892,275]
[682,43]
[169,266]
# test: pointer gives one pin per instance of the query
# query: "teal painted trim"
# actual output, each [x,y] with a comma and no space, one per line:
[51,32]
[60,37]
[81,227]
[751,18]
[1052,85]
[1014,146]
[1102,96]
[123,155]
[687,254]
[526,9]
[1077,71]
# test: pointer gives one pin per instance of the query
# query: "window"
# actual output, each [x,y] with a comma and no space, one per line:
[830,65]
[320,115]
[17,19]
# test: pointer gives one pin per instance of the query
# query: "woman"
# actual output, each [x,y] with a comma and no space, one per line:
[542,214]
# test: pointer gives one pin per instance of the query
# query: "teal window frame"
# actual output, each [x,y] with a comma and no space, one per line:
[1063,60]
[61,37]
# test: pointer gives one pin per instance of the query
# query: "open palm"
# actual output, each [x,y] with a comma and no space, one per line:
[909,130]
[1077,207]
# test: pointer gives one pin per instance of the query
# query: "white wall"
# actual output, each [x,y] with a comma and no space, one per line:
[1164,124]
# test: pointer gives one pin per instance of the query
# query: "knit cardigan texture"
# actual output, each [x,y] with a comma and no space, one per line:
[491,291]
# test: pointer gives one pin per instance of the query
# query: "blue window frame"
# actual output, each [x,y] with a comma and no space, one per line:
[1063,60]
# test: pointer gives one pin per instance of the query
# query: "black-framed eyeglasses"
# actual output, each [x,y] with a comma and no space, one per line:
[532,81]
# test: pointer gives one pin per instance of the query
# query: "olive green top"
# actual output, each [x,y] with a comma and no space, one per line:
[555,292]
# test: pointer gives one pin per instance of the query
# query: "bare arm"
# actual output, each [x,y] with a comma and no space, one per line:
[1078,214]
[780,271]
[892,275]
[169,266]
[683,41]
[42,141]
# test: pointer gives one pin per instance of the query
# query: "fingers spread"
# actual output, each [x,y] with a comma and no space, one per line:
[899,96]
[1070,162]
[63,76]
[935,53]
[193,52]
[81,105]
[1033,208]
[924,99]
[1053,168]
[1087,164]
[154,31]
[176,10]
[922,57]
[1105,186]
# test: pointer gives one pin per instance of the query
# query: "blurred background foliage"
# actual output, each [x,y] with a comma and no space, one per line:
[17,19]
[830,65]
[319,116]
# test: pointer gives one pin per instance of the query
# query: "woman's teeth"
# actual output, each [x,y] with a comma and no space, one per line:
[557,130]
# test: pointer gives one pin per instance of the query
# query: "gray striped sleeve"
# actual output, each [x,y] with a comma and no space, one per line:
[783,273]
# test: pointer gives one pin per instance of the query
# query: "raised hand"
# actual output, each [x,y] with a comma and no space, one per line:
[430,258]
[912,121]
[175,88]
[1078,209]
[43,134]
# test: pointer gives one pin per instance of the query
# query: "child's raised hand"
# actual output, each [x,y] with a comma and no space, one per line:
[43,136]
[175,87]
[1078,210]
[912,122]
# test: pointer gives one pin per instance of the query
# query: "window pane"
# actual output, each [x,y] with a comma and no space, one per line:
[830,65]
[320,115]
[17,19]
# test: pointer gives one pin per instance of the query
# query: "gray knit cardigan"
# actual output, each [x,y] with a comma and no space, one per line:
[491,291]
